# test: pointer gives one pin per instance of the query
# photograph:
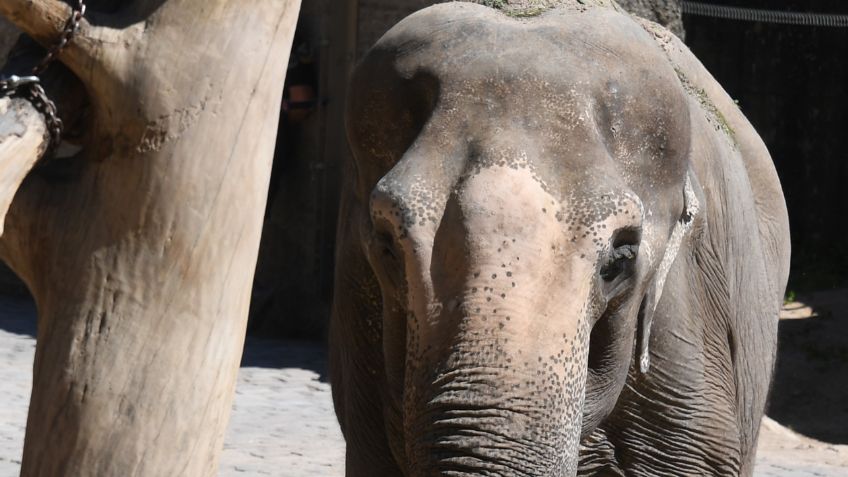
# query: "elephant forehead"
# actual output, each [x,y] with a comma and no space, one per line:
[515,198]
[589,94]
[468,43]
[506,191]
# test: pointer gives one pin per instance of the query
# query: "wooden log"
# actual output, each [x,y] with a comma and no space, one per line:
[44,20]
[23,140]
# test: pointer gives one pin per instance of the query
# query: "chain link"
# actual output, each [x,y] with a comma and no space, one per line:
[39,99]
[71,28]
[30,87]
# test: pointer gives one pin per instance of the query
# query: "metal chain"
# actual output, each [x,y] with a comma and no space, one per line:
[30,87]
[71,28]
[39,99]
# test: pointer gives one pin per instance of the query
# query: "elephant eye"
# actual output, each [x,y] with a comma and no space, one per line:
[386,246]
[385,258]
[618,260]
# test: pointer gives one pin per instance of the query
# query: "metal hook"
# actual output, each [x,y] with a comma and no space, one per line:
[14,82]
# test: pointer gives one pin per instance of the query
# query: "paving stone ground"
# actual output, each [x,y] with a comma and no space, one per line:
[283,422]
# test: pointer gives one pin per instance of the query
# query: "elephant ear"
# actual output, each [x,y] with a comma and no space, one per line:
[691,208]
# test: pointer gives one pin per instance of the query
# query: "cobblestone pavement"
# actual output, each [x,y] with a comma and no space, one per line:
[783,453]
[17,347]
[283,422]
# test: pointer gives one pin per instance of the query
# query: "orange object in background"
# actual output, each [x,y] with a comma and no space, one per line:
[299,103]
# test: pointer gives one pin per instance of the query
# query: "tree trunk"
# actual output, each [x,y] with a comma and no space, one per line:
[23,137]
[140,250]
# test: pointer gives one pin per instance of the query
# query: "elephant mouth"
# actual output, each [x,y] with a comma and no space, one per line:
[484,422]
[485,442]
[610,354]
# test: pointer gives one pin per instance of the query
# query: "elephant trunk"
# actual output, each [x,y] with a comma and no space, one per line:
[497,358]
[500,304]
[506,400]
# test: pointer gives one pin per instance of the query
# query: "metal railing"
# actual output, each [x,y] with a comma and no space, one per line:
[765,16]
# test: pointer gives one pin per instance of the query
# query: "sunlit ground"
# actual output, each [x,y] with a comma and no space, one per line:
[283,422]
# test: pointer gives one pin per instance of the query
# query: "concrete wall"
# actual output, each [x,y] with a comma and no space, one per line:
[665,12]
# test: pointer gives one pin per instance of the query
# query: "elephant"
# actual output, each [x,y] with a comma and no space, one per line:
[562,250]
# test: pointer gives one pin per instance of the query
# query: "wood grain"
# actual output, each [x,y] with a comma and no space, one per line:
[22,141]
[140,251]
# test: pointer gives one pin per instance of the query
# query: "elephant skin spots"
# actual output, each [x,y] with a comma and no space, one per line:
[498,294]
[522,208]
[493,220]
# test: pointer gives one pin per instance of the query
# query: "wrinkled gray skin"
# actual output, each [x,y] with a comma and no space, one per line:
[537,209]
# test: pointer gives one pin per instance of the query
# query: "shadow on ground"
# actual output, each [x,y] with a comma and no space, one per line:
[810,389]
[17,315]
[809,393]
[276,354]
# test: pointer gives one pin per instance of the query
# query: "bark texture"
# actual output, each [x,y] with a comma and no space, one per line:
[140,250]
[22,140]
[10,284]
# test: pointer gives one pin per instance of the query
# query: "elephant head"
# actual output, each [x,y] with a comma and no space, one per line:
[524,189]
